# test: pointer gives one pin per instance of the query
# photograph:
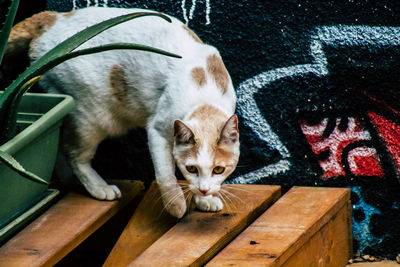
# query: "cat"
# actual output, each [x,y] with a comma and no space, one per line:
[186,105]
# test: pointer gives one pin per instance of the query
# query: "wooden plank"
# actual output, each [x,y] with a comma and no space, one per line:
[200,235]
[63,227]
[308,225]
[329,246]
[149,222]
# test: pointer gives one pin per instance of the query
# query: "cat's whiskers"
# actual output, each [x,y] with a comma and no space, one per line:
[162,196]
[183,185]
[188,199]
[228,198]
[185,189]
[226,204]
[178,195]
[174,197]
[235,187]
[168,192]
[232,197]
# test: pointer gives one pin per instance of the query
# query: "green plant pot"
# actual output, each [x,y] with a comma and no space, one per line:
[35,148]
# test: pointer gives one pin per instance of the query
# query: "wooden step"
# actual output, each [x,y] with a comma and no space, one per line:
[149,222]
[308,226]
[195,238]
[63,227]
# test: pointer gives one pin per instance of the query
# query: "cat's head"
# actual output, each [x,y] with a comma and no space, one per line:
[206,150]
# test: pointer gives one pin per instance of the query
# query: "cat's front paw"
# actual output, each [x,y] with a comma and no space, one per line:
[174,200]
[103,191]
[208,203]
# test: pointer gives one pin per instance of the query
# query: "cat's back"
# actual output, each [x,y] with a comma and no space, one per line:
[149,30]
[198,77]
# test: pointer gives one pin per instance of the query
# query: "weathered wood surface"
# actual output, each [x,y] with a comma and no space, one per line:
[63,227]
[308,226]
[200,235]
[149,222]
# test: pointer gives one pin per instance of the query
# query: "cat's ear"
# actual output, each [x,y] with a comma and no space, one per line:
[230,132]
[183,134]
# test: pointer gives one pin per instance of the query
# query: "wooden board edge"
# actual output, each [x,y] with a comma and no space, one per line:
[203,259]
[319,224]
[320,249]
[136,188]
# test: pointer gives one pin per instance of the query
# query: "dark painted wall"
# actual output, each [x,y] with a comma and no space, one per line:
[318,100]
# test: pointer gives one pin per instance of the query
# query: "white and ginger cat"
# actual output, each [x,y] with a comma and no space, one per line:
[186,105]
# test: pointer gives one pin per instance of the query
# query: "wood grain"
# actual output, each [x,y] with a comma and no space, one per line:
[63,227]
[307,226]
[200,235]
[329,246]
[149,222]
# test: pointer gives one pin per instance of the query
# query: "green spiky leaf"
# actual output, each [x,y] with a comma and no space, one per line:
[9,161]
[6,29]
[9,100]
[113,46]
[12,114]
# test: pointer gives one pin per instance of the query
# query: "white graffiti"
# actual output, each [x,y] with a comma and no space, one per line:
[341,36]
[88,4]
[192,10]
[187,17]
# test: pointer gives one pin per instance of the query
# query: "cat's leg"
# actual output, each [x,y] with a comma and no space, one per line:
[81,147]
[164,166]
[208,203]
[93,183]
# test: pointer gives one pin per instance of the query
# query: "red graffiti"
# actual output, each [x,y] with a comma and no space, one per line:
[390,133]
[362,160]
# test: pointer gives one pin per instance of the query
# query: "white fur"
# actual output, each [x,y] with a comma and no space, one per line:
[161,90]
[208,203]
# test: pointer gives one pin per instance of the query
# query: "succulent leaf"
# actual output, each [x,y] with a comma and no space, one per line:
[9,161]
[12,115]
[6,28]
[46,62]
[11,97]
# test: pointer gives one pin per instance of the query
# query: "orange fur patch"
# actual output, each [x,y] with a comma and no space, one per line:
[224,156]
[199,76]
[69,14]
[26,31]
[212,120]
[218,72]
[118,83]
[191,33]
[208,112]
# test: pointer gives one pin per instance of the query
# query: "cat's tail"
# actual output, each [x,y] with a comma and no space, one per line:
[23,34]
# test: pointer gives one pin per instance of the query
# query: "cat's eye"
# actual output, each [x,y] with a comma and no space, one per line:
[218,170]
[191,169]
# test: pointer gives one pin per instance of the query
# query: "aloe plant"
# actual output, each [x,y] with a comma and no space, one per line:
[7,25]
[11,97]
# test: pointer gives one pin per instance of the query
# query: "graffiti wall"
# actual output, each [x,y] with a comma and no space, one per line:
[318,100]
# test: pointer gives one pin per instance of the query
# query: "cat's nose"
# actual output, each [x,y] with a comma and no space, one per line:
[203,191]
